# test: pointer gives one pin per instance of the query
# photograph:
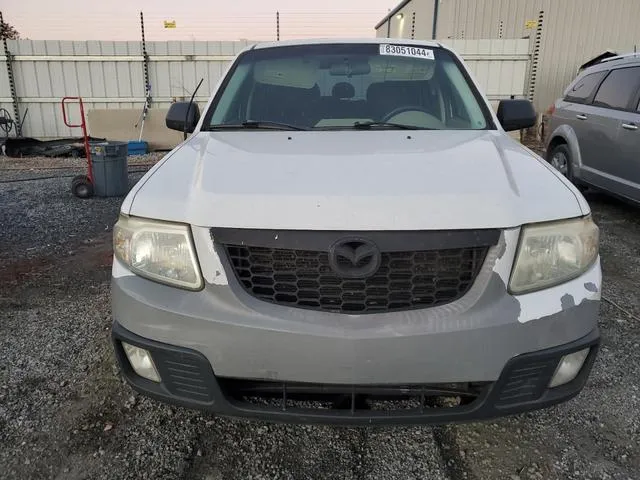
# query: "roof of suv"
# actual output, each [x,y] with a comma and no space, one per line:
[614,62]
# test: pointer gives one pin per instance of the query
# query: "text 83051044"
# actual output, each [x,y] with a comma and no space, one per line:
[406,51]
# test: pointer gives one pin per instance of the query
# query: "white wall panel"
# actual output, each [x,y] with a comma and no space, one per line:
[106,74]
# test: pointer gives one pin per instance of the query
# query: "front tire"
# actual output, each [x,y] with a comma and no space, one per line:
[560,159]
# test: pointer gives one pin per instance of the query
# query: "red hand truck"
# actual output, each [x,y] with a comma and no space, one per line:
[81,185]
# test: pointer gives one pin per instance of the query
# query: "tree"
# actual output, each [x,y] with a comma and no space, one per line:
[8,31]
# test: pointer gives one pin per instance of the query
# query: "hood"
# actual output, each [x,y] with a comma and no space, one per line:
[353,180]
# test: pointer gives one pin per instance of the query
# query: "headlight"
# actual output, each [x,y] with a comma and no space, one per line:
[553,253]
[159,251]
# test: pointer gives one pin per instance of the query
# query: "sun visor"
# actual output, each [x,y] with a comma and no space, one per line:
[287,72]
[387,67]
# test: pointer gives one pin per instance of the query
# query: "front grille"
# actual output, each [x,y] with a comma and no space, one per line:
[405,279]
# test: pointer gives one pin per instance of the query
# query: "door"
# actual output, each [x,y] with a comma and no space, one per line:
[608,123]
[629,143]
[572,110]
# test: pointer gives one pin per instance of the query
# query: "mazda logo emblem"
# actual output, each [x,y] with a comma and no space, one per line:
[354,258]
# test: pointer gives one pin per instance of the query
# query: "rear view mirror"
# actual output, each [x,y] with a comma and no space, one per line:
[349,69]
[516,114]
[177,117]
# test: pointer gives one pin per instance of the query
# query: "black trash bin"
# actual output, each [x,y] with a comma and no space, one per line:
[110,168]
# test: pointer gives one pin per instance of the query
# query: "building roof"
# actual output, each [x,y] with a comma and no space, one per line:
[398,7]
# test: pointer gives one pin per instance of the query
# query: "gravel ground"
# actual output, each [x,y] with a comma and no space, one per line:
[66,414]
[41,217]
[32,163]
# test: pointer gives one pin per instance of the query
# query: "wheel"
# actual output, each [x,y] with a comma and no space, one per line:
[6,122]
[79,177]
[560,159]
[82,187]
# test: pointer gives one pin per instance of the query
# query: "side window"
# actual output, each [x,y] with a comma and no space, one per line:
[458,107]
[618,88]
[465,105]
[581,89]
[226,108]
[456,111]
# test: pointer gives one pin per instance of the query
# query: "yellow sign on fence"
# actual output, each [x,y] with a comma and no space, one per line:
[169,24]
[530,24]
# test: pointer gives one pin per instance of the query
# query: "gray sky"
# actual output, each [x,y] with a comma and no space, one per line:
[195,19]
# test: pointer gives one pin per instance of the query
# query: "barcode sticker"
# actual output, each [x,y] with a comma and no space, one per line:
[406,51]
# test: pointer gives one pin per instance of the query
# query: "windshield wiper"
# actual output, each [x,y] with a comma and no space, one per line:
[255,124]
[399,126]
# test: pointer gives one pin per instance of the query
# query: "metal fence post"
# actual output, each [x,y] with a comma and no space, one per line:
[278,26]
[12,84]
[533,73]
[413,25]
[434,29]
[535,56]
[145,60]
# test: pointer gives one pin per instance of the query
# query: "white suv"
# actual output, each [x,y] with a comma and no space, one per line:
[350,236]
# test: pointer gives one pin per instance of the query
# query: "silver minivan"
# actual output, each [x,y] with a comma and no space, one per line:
[349,235]
[595,128]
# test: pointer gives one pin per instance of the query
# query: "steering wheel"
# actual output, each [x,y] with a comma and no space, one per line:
[406,108]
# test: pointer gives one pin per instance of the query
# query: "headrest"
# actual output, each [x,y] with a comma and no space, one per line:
[343,90]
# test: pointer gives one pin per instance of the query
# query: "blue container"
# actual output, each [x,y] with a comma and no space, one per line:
[137,148]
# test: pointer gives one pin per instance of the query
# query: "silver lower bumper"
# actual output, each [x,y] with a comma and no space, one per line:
[470,340]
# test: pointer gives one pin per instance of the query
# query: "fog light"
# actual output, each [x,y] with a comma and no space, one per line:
[141,361]
[568,368]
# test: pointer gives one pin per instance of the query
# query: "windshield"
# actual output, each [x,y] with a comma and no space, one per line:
[347,86]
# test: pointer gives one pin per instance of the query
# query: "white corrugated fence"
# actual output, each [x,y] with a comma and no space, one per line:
[106,75]
[110,75]
[499,66]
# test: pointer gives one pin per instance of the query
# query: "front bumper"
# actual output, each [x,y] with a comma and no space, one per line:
[189,380]
[469,340]
[505,348]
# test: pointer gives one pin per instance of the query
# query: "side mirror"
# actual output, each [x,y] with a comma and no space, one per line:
[516,114]
[177,116]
